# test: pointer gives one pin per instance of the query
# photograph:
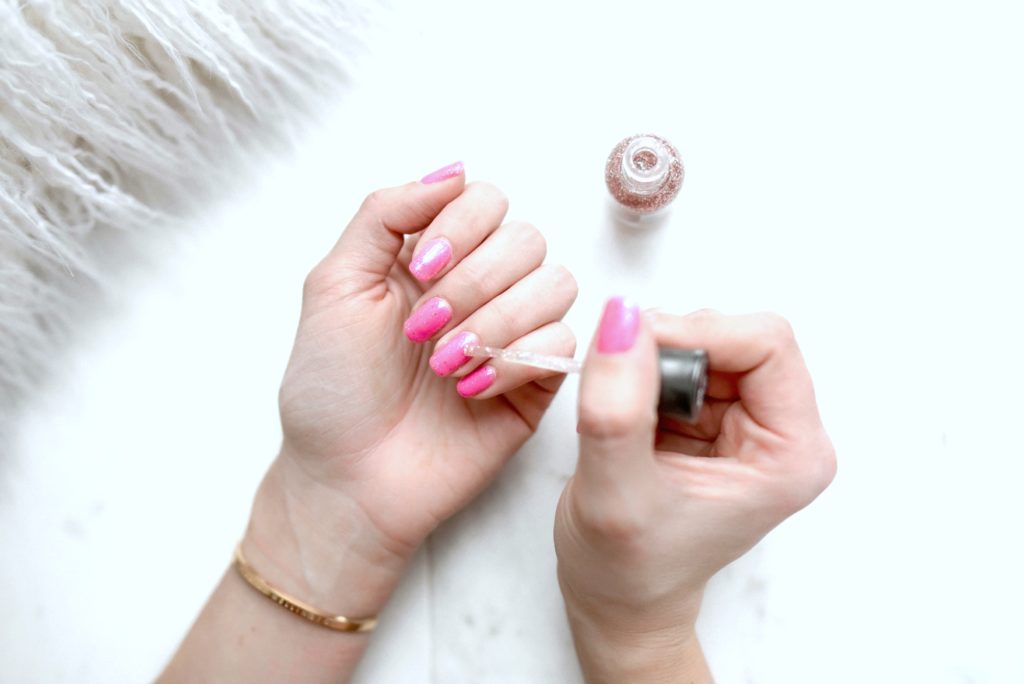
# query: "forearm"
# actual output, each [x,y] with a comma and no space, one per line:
[241,636]
[310,551]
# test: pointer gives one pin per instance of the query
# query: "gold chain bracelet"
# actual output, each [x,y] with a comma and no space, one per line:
[294,605]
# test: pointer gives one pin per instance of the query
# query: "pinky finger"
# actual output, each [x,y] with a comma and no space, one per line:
[498,377]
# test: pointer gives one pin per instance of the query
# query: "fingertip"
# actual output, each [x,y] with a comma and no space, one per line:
[451,355]
[476,382]
[619,383]
[445,173]
[373,240]
[427,319]
[622,330]
[620,323]
[430,259]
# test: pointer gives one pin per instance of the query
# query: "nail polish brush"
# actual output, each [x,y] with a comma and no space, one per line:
[684,374]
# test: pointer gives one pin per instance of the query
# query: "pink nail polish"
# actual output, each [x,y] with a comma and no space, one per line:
[431,258]
[426,320]
[619,325]
[444,173]
[452,355]
[476,382]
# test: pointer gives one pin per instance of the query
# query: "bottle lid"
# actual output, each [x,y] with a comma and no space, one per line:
[684,379]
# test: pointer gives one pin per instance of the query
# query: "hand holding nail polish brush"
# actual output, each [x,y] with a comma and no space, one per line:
[656,506]
[683,374]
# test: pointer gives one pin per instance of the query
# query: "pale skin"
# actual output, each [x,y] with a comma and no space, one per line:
[656,507]
[378,451]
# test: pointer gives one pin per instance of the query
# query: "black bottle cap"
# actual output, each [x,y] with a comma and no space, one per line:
[684,378]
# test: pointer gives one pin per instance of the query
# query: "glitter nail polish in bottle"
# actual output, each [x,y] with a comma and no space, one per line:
[644,174]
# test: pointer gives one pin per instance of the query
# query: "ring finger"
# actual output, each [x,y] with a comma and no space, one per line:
[541,297]
[495,377]
[510,253]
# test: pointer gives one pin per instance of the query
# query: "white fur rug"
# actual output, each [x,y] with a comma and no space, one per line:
[114,114]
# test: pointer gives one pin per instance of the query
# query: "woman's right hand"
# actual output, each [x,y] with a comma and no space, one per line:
[656,507]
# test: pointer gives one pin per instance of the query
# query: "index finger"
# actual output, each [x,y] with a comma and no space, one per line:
[774,384]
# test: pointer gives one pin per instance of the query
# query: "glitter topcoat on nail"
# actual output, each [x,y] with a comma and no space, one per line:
[444,173]
[476,382]
[430,259]
[428,319]
[451,356]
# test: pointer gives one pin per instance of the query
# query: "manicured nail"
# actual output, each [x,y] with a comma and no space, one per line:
[476,382]
[450,357]
[619,326]
[444,173]
[425,321]
[431,258]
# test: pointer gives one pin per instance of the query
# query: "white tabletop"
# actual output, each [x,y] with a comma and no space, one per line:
[856,167]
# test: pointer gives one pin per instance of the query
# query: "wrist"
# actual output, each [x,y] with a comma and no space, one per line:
[610,653]
[318,545]
[616,642]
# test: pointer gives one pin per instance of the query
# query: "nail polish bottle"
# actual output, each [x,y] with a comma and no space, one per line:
[644,174]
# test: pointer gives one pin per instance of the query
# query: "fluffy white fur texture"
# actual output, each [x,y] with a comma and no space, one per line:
[114,112]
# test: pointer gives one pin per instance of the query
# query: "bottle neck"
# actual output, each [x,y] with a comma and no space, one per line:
[645,165]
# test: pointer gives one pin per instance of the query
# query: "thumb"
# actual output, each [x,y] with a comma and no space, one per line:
[618,407]
[370,245]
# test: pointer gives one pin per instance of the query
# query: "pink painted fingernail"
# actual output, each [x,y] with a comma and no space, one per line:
[431,258]
[450,357]
[620,323]
[476,382]
[425,321]
[444,173]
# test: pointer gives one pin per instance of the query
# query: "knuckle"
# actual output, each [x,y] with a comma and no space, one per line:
[490,193]
[373,202]
[315,282]
[531,240]
[776,328]
[623,526]
[572,287]
[562,279]
[603,420]
[789,498]
[323,284]
[614,526]
[507,315]
[476,277]
[828,466]
[704,316]
[565,339]
[803,487]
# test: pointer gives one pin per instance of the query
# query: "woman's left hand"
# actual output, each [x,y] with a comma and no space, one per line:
[380,443]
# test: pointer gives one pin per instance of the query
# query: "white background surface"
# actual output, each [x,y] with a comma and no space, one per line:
[856,167]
